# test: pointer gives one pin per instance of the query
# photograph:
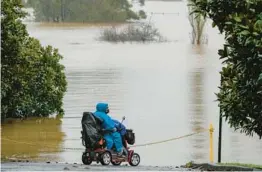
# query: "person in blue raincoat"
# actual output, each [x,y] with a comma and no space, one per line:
[122,130]
[112,137]
[120,127]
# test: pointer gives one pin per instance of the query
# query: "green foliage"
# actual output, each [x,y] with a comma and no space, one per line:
[83,10]
[32,80]
[189,164]
[240,96]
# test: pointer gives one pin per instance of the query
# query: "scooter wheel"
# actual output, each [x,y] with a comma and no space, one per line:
[116,163]
[86,160]
[134,160]
[105,158]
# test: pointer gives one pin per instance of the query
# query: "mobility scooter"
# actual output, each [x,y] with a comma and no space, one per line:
[95,145]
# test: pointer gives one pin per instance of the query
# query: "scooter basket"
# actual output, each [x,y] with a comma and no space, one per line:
[130,136]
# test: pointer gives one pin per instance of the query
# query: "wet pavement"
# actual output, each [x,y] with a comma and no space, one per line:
[28,166]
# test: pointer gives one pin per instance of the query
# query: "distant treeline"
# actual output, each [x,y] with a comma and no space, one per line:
[83,10]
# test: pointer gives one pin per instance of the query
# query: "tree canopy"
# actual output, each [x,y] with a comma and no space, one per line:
[240,96]
[33,82]
[83,10]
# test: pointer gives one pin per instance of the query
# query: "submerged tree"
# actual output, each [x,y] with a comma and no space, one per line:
[240,96]
[197,22]
[142,2]
[134,33]
[33,82]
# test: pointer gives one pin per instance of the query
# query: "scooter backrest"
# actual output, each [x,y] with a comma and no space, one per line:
[90,117]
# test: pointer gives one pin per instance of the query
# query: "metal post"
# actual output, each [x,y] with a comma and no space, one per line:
[219,138]
[220,130]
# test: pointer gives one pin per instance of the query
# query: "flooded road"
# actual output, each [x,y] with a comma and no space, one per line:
[165,90]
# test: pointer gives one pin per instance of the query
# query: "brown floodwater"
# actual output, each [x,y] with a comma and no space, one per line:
[32,139]
[165,90]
